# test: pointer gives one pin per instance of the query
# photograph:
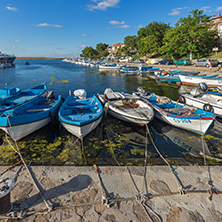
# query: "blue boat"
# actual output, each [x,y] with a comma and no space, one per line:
[9,91]
[22,97]
[129,69]
[30,116]
[80,113]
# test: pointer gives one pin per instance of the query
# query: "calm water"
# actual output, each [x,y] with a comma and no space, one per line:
[113,142]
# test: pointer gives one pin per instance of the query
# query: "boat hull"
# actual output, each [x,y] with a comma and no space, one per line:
[195,80]
[81,131]
[17,132]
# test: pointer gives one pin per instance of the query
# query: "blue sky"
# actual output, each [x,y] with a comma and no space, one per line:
[56,28]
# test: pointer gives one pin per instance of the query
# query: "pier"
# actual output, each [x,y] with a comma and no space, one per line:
[112,193]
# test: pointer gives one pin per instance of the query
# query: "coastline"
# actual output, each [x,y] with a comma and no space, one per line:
[36,58]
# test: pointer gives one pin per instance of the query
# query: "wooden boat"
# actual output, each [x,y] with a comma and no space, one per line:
[127,107]
[210,101]
[80,113]
[9,91]
[211,80]
[29,117]
[177,114]
[22,97]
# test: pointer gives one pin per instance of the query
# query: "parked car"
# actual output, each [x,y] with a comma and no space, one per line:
[139,61]
[152,61]
[166,62]
[183,62]
[219,64]
[205,62]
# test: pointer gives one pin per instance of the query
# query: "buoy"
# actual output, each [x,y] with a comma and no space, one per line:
[164,72]
[5,187]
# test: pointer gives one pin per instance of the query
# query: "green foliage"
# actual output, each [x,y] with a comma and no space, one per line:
[90,52]
[148,44]
[190,35]
[130,42]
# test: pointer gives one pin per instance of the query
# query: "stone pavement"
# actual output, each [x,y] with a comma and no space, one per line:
[116,194]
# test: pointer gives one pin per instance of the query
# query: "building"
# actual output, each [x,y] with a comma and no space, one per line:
[218,25]
[112,50]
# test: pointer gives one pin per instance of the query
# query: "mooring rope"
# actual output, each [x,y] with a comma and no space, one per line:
[180,185]
[23,161]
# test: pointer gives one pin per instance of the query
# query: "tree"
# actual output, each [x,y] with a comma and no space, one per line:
[130,42]
[157,29]
[148,44]
[90,52]
[191,35]
[101,47]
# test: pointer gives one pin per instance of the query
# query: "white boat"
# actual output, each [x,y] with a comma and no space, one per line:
[6,60]
[177,114]
[211,81]
[80,113]
[206,101]
[108,66]
[127,107]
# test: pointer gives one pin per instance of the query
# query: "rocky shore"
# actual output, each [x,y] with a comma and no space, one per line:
[114,194]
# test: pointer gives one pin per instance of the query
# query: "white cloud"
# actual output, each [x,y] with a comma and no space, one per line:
[206,9]
[219,8]
[12,8]
[16,41]
[124,26]
[177,11]
[82,46]
[116,23]
[103,4]
[84,34]
[59,48]
[140,26]
[48,25]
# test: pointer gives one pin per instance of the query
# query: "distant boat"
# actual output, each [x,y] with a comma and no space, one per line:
[177,114]
[27,63]
[22,97]
[127,107]
[109,66]
[25,119]
[80,113]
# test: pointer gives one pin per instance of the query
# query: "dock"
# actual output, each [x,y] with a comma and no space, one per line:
[115,193]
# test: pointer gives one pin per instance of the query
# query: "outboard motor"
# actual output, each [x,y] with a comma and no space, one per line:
[50,95]
[202,86]
[80,93]
[195,92]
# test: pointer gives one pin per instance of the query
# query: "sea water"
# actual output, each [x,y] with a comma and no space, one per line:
[113,142]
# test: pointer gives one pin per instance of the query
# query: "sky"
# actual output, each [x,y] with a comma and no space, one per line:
[63,28]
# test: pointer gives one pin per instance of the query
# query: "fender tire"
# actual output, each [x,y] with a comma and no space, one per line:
[207,107]
[182,99]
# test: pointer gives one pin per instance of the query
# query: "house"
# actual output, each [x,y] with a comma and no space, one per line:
[217,25]
[114,48]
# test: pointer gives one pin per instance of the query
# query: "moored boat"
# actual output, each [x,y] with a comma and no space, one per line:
[211,80]
[9,91]
[178,114]
[127,107]
[80,113]
[22,97]
[211,102]
[25,119]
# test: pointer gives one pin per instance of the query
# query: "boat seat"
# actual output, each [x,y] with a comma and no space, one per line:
[37,110]
[130,106]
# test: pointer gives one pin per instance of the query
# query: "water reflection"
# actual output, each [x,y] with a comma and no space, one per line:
[184,141]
